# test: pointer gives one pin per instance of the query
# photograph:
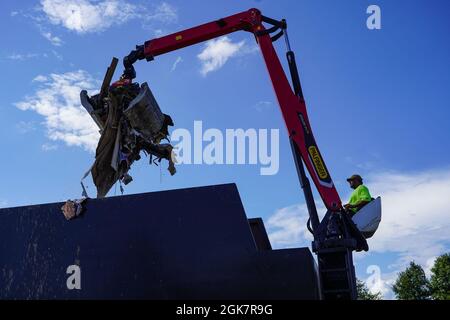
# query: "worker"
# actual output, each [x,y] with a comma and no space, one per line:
[360,195]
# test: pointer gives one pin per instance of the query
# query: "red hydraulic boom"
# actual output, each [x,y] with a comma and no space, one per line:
[335,237]
[292,104]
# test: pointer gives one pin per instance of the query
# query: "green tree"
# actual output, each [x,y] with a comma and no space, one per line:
[412,284]
[440,278]
[364,293]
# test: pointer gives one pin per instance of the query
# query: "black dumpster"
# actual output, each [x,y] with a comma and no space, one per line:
[191,243]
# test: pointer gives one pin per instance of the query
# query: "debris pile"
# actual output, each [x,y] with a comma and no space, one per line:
[130,121]
[73,208]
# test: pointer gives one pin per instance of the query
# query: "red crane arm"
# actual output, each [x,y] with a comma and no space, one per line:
[197,34]
[292,104]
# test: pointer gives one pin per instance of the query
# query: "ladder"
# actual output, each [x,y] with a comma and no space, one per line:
[337,273]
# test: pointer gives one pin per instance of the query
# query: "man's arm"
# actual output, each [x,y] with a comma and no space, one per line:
[358,205]
[364,198]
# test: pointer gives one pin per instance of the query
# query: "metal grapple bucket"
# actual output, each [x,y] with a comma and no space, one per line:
[144,114]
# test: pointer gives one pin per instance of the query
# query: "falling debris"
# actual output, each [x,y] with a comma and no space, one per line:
[73,208]
[130,121]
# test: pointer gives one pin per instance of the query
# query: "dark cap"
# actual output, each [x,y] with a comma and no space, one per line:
[355,177]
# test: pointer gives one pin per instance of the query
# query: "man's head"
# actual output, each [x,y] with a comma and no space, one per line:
[355,181]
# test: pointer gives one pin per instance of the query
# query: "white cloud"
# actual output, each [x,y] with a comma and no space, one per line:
[262,105]
[164,13]
[175,64]
[40,78]
[58,101]
[87,16]
[84,16]
[22,56]
[248,49]
[217,52]
[49,147]
[287,227]
[416,219]
[57,55]
[26,126]
[382,282]
[158,32]
[54,40]
[429,265]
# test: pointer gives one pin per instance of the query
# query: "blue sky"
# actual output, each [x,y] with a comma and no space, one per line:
[378,102]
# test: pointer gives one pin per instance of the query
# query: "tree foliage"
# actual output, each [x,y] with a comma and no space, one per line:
[364,292]
[440,278]
[412,284]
